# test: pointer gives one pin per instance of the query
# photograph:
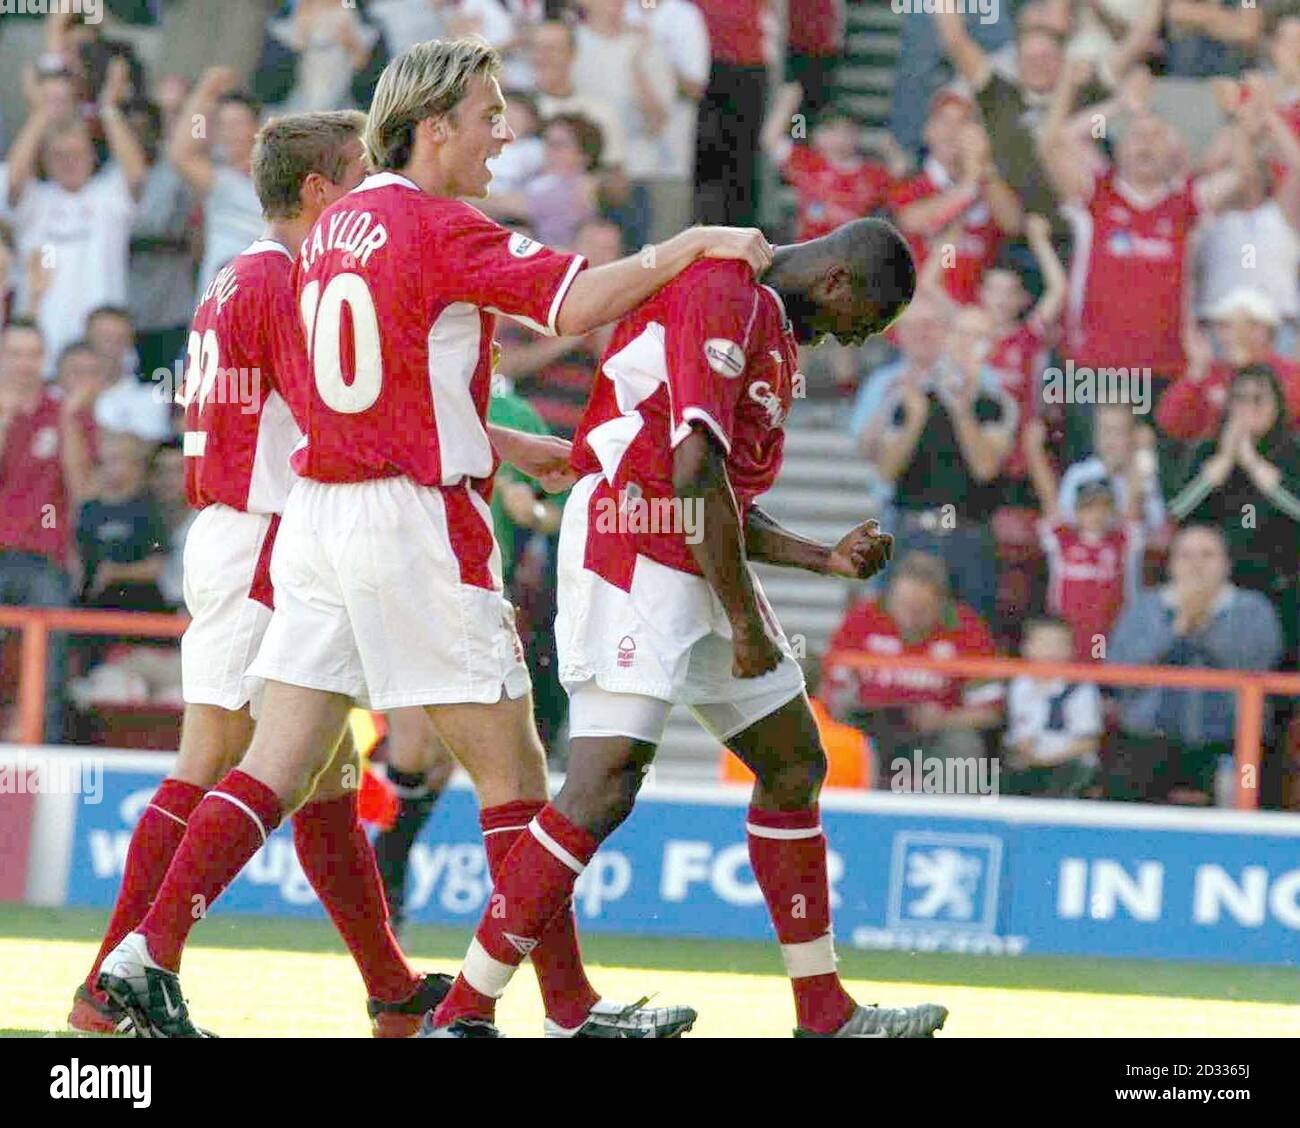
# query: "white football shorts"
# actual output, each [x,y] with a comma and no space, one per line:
[227,593]
[667,639]
[380,595]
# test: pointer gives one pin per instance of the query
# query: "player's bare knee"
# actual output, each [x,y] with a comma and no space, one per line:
[795,780]
[601,784]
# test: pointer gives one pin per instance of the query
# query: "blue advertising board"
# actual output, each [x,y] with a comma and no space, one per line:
[911,872]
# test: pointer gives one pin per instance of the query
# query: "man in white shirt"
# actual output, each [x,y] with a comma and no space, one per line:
[78,220]
[679,32]
[619,66]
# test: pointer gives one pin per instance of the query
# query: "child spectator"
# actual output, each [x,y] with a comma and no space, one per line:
[558,202]
[833,181]
[1053,727]
[1123,452]
[121,533]
[1094,557]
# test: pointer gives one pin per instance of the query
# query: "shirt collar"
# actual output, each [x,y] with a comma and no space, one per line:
[385,180]
[268,246]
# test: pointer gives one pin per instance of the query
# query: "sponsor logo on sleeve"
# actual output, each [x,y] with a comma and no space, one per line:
[725,357]
[521,246]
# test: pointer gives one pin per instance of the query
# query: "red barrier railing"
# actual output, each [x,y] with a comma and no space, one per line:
[36,623]
[1250,688]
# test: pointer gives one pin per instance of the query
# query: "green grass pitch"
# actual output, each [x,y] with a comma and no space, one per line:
[262,977]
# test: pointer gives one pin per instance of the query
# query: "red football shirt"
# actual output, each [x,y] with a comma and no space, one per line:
[1088,579]
[36,513]
[869,628]
[735,30]
[712,347]
[398,291]
[1127,277]
[977,247]
[245,364]
[828,196]
[1189,410]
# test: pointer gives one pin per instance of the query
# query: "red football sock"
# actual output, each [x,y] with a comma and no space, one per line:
[153,842]
[787,851]
[340,863]
[566,992]
[226,829]
[537,880]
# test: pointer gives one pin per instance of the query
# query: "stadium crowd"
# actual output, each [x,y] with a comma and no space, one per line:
[1084,427]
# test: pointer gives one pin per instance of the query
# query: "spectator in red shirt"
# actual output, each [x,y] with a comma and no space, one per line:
[903,710]
[833,181]
[958,183]
[731,113]
[1133,223]
[46,444]
[1245,323]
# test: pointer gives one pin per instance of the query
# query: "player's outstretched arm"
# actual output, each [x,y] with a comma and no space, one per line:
[860,554]
[543,457]
[605,293]
[700,480]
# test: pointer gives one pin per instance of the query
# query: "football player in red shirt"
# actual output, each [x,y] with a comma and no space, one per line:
[245,374]
[387,576]
[658,605]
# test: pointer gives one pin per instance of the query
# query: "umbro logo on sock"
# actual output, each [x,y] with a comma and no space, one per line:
[521,944]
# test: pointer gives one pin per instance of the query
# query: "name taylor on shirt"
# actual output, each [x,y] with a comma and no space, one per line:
[353,233]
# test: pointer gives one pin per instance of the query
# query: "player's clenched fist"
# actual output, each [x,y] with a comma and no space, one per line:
[861,553]
[747,243]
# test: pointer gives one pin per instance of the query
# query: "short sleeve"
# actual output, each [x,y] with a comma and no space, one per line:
[708,333]
[501,271]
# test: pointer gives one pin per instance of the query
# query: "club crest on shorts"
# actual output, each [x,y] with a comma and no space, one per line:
[726,358]
[521,246]
[626,652]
